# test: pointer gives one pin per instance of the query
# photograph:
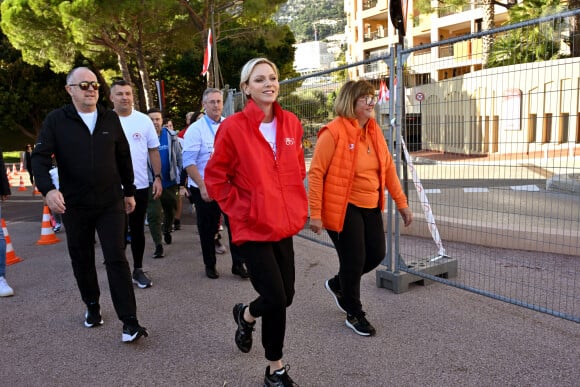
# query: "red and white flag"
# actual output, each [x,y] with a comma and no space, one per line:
[383,93]
[207,54]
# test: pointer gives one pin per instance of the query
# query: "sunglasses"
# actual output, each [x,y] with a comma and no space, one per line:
[85,85]
[369,100]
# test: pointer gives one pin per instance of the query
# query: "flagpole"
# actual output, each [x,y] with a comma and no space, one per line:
[216,82]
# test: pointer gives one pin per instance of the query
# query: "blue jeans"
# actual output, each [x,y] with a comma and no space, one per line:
[2,250]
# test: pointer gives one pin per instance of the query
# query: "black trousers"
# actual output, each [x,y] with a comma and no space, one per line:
[272,273]
[237,259]
[137,226]
[361,248]
[208,217]
[109,223]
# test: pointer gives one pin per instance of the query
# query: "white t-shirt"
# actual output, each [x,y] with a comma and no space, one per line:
[268,130]
[141,135]
[90,119]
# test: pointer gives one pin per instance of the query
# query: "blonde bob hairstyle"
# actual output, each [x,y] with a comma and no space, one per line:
[348,95]
[247,71]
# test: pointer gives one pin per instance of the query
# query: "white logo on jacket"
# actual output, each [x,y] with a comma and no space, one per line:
[289,140]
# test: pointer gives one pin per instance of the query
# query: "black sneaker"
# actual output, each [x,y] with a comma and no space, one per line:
[176,225]
[360,325]
[140,279]
[93,315]
[279,378]
[133,332]
[244,331]
[158,252]
[336,294]
[241,271]
[167,238]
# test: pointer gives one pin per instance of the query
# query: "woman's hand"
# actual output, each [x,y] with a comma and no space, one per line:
[316,225]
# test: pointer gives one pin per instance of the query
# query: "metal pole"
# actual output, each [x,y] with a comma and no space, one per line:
[214,56]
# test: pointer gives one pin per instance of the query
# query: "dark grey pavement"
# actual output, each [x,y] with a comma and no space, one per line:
[430,336]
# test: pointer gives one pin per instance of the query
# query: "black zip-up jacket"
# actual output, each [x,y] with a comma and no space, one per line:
[94,170]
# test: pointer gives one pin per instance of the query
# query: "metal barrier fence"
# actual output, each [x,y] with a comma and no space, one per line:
[493,169]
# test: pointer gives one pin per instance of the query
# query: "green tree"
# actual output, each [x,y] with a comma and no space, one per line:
[27,93]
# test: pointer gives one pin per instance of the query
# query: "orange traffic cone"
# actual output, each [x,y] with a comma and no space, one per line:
[47,236]
[14,171]
[10,254]
[36,191]
[22,186]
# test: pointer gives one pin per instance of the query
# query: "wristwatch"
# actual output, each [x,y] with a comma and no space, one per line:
[158,176]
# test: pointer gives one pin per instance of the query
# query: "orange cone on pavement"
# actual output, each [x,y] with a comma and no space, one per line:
[47,236]
[22,187]
[14,171]
[10,254]
[36,191]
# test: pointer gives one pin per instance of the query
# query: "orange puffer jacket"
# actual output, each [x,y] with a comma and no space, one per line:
[333,166]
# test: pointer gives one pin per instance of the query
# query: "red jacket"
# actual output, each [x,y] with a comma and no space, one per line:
[263,196]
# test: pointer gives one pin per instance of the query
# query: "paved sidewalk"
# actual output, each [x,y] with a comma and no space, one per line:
[430,336]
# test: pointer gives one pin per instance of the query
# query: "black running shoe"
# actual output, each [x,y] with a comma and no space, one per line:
[245,329]
[93,315]
[336,294]
[133,332]
[140,279]
[158,251]
[279,378]
[360,325]
[167,238]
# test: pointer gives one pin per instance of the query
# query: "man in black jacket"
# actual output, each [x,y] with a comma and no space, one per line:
[96,189]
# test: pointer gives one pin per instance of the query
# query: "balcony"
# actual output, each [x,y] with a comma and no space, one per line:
[374,35]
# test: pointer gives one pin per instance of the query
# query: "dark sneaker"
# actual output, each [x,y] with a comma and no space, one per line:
[93,316]
[211,272]
[176,225]
[336,294]
[241,271]
[167,238]
[279,378]
[133,333]
[158,252]
[140,279]
[360,325]
[245,329]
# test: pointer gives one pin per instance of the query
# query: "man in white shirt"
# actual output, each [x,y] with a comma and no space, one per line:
[144,145]
[197,149]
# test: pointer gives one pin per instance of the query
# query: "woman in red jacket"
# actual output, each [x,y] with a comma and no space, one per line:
[350,169]
[256,175]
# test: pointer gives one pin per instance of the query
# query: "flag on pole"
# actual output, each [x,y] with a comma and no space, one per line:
[207,54]
[383,93]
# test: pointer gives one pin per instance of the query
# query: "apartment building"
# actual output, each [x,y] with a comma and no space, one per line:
[371,34]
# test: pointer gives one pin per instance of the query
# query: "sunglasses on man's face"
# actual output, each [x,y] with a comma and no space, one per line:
[85,85]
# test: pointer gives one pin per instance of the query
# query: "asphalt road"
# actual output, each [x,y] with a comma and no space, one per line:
[429,336]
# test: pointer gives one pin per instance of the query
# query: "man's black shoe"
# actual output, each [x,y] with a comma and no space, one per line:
[93,315]
[167,238]
[245,329]
[240,270]
[158,252]
[279,378]
[133,332]
[177,225]
[211,272]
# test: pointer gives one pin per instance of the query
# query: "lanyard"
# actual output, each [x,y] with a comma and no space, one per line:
[210,124]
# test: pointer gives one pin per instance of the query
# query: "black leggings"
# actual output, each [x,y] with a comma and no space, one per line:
[271,268]
[361,248]
[137,226]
